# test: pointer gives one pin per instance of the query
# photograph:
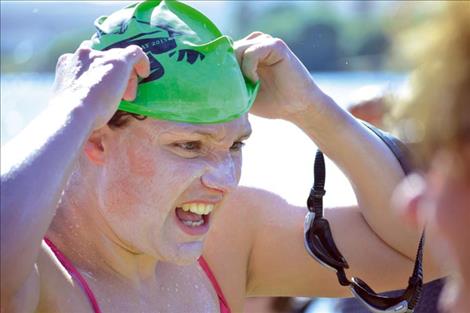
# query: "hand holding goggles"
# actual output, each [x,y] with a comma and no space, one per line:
[319,243]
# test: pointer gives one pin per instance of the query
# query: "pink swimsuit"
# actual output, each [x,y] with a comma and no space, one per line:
[224,308]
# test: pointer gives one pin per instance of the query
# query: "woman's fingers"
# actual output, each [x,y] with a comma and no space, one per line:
[139,60]
[254,35]
[265,53]
[86,44]
[140,68]
[131,89]
[250,40]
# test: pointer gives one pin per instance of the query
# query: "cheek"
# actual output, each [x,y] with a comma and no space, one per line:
[130,181]
[141,162]
[452,213]
[122,198]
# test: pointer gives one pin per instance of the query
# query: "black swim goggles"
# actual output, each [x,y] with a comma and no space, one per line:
[320,245]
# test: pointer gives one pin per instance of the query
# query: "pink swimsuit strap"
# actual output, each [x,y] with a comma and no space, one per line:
[224,308]
[75,274]
[72,270]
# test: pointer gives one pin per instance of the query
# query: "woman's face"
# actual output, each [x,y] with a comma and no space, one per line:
[162,183]
[441,201]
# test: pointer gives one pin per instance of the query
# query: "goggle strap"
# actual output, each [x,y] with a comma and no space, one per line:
[315,199]
[315,204]
[415,283]
[342,279]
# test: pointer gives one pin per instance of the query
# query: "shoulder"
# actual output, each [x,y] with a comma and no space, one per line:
[249,198]
[238,215]
[230,240]
[247,207]
[58,290]
[49,287]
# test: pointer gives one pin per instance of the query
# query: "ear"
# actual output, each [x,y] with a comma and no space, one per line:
[94,147]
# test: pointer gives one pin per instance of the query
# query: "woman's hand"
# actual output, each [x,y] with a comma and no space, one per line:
[100,79]
[287,88]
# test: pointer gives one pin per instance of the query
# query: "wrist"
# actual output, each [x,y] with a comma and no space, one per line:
[73,111]
[319,111]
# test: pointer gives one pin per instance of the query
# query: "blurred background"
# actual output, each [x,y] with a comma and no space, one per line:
[355,50]
[325,35]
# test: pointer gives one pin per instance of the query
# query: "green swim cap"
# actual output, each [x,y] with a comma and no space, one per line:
[194,74]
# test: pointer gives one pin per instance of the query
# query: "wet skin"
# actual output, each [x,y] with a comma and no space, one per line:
[112,194]
[154,167]
[136,177]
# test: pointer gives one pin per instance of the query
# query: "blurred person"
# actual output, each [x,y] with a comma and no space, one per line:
[439,197]
[140,210]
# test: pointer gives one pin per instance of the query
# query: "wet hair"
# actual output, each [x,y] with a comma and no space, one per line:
[440,102]
[121,118]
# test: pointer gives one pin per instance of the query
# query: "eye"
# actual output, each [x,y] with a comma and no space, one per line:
[237,146]
[189,145]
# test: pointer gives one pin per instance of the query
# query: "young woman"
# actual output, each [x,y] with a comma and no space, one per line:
[146,215]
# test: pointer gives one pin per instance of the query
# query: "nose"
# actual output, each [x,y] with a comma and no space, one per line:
[221,175]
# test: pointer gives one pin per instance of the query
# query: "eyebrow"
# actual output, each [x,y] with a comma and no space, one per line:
[213,134]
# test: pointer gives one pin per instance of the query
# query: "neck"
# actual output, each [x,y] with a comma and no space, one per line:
[82,234]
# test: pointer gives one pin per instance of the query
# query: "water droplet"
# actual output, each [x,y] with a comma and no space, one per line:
[196,286]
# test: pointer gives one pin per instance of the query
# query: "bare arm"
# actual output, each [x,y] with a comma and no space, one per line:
[37,164]
[289,93]
[279,264]
[370,166]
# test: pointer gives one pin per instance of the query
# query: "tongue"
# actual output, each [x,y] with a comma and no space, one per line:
[187,216]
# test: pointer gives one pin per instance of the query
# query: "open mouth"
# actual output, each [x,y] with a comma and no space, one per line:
[194,217]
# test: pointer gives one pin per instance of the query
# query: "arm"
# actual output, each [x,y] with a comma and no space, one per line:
[279,264]
[37,164]
[364,234]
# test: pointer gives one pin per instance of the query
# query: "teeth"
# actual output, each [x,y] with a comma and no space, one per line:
[193,223]
[198,208]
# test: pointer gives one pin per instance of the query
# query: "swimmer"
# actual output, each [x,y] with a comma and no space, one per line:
[139,209]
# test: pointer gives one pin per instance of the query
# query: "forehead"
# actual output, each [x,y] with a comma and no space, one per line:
[235,128]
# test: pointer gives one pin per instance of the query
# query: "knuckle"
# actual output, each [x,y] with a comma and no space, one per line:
[134,49]
[279,43]
[119,63]
[256,33]
[250,52]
